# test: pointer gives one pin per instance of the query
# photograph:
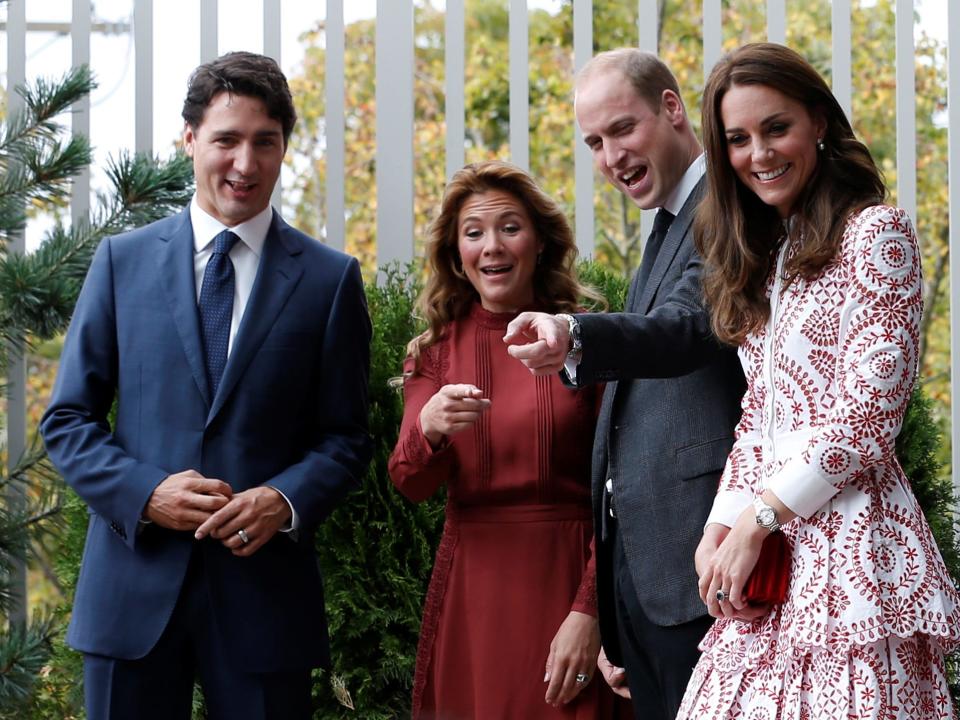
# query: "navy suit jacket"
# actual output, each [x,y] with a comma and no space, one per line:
[290,412]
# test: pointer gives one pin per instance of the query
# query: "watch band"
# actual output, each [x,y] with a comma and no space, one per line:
[575,350]
[766,515]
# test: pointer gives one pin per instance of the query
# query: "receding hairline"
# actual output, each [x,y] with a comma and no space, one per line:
[646,73]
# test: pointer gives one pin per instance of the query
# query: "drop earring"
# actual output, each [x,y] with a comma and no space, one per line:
[821,145]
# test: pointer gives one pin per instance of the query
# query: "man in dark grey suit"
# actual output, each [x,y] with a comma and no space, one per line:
[672,396]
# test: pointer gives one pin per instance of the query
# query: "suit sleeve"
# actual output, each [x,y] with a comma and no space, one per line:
[75,426]
[415,467]
[671,340]
[341,448]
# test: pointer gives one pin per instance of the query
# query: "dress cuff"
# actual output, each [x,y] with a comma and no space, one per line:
[727,506]
[800,488]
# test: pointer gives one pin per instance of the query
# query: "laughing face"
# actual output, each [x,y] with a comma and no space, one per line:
[638,148]
[237,150]
[771,143]
[498,248]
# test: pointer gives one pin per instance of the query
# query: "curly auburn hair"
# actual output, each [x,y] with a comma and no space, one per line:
[448,294]
[737,234]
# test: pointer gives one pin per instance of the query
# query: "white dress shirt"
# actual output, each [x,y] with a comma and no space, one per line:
[245,257]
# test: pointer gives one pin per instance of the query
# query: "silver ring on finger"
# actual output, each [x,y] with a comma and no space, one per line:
[242,534]
[722,596]
[582,678]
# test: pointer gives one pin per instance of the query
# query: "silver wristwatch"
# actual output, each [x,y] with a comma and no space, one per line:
[766,515]
[576,344]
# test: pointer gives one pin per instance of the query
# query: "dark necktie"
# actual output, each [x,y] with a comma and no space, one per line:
[661,223]
[216,307]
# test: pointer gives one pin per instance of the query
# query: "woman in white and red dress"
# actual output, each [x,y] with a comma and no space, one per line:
[819,284]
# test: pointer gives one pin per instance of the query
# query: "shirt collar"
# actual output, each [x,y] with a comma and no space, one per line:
[688,182]
[252,232]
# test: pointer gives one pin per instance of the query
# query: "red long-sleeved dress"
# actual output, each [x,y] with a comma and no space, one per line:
[515,556]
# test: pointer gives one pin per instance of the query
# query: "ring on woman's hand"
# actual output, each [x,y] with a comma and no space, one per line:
[722,596]
[244,538]
[582,678]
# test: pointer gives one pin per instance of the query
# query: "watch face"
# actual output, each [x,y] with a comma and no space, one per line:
[767,516]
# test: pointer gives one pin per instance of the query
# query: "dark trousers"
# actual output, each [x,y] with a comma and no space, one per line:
[658,659]
[159,686]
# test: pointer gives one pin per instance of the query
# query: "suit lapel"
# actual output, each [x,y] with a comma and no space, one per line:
[671,245]
[179,284]
[279,272]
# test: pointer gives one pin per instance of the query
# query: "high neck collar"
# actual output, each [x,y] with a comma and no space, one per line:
[486,318]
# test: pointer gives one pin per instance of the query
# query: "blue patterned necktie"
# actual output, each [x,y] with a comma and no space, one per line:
[216,307]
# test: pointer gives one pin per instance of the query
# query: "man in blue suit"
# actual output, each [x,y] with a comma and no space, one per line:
[237,350]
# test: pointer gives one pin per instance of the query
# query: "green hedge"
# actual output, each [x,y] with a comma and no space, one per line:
[376,550]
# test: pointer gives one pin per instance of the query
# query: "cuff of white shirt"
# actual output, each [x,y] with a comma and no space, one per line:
[727,506]
[570,365]
[294,518]
[800,488]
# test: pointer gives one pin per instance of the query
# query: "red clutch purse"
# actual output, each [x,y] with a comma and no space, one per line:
[767,584]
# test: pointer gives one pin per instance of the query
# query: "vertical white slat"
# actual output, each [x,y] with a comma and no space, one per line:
[842,63]
[648,17]
[394,95]
[906,110]
[777,21]
[648,21]
[271,48]
[712,34]
[209,48]
[953,151]
[582,158]
[519,84]
[143,45]
[80,117]
[336,232]
[455,48]
[16,425]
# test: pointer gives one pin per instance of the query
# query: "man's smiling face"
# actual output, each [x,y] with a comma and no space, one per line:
[638,148]
[237,151]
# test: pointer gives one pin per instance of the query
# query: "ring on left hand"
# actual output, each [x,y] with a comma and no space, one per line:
[244,538]
[582,678]
[722,596]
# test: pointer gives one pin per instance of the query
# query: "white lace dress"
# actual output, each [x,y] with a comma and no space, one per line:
[870,607]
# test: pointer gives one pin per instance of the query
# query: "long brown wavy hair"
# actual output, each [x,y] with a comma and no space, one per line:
[448,294]
[737,234]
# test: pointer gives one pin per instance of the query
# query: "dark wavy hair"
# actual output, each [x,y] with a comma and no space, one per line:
[241,73]
[448,294]
[738,234]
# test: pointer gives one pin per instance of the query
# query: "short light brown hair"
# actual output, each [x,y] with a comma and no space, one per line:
[647,73]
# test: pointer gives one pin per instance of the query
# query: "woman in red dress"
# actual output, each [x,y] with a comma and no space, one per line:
[509,627]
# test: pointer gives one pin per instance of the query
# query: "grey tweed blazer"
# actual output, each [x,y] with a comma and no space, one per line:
[665,428]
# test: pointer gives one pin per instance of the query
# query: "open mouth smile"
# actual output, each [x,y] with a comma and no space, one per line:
[632,177]
[772,174]
[496,269]
[241,187]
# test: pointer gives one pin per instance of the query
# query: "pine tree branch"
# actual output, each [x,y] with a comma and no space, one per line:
[23,654]
[44,101]
[39,290]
